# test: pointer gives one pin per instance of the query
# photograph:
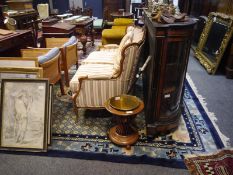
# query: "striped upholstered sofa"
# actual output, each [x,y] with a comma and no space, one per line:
[108,72]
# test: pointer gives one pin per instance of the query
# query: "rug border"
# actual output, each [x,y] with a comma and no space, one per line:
[170,163]
[211,117]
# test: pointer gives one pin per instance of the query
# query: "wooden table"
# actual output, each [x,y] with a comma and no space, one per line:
[124,134]
[84,29]
[121,15]
[57,30]
[11,44]
[24,18]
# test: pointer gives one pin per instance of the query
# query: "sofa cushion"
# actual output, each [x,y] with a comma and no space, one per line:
[71,41]
[138,35]
[100,57]
[48,56]
[123,21]
[91,71]
[127,38]
[130,28]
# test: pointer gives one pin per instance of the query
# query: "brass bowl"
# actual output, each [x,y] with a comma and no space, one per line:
[124,102]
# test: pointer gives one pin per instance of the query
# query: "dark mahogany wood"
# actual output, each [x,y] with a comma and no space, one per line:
[10,45]
[83,30]
[57,30]
[169,46]
[123,133]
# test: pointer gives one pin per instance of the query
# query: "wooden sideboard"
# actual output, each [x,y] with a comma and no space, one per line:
[163,80]
[24,19]
[11,44]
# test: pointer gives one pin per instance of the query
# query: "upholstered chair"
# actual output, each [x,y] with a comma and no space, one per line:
[95,82]
[107,53]
[49,60]
[68,48]
[117,32]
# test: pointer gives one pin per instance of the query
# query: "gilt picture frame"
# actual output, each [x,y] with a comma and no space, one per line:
[24,115]
[211,45]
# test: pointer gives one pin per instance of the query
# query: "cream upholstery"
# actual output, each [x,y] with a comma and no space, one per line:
[97,80]
[110,53]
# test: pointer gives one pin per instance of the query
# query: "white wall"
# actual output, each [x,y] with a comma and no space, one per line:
[76,3]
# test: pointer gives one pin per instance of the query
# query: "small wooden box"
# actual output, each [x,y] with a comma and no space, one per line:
[20,4]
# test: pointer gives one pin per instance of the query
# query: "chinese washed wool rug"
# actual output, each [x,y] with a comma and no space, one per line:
[87,139]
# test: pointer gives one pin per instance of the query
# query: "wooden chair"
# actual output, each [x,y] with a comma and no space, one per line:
[69,54]
[87,12]
[51,68]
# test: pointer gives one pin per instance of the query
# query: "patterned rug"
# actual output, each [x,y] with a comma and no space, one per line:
[87,139]
[220,163]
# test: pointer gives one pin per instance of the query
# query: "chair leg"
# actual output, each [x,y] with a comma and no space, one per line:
[76,113]
[62,87]
[67,80]
[76,64]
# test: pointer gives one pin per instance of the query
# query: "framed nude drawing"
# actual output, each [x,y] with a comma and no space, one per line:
[24,114]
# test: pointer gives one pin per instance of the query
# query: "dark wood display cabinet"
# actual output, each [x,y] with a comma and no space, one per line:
[163,80]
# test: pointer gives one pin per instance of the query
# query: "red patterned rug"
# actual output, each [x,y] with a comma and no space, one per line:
[220,163]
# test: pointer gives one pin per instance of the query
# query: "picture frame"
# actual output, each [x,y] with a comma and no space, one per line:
[21,72]
[50,112]
[24,115]
[18,62]
[214,40]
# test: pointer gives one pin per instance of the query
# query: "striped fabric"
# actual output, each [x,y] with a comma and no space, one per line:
[91,71]
[100,57]
[102,80]
[96,90]
[94,93]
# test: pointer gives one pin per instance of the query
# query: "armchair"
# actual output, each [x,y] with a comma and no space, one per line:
[68,48]
[117,32]
[95,82]
[51,66]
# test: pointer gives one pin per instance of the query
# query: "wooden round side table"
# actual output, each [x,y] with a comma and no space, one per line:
[123,133]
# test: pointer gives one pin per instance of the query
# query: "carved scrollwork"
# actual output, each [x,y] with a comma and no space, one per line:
[211,61]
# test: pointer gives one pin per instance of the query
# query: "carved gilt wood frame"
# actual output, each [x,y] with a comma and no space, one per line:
[210,66]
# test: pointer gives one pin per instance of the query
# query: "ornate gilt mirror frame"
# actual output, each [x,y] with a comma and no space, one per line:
[209,65]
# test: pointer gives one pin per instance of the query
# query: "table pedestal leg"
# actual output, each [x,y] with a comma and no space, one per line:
[123,134]
[83,40]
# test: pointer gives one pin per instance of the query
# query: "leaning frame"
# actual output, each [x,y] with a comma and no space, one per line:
[28,130]
[210,66]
